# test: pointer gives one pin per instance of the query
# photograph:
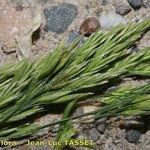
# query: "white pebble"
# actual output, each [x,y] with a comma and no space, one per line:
[111,19]
[88,109]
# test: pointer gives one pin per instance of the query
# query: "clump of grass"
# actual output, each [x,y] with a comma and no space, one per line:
[69,74]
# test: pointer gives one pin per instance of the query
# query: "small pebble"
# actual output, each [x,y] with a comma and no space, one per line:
[88,109]
[109,144]
[43,1]
[93,134]
[104,2]
[39,147]
[58,18]
[123,9]
[111,19]
[146,3]
[78,111]
[19,7]
[7,50]
[89,26]
[110,147]
[133,135]
[74,35]
[101,125]
[136,4]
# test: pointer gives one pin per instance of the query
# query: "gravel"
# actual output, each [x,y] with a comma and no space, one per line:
[93,134]
[89,26]
[133,121]
[101,125]
[133,135]
[58,18]
[123,9]
[73,36]
[136,4]
[146,3]
[110,20]
[104,2]
[45,147]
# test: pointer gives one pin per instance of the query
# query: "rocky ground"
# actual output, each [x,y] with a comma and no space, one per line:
[30,28]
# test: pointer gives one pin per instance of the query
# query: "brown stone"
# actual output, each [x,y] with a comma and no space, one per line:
[89,26]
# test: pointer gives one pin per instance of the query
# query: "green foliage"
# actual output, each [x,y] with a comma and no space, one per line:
[69,74]
[66,129]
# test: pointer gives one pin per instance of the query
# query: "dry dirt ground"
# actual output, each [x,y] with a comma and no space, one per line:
[21,19]
[11,32]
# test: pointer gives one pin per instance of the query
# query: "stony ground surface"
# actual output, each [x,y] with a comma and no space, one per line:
[30,28]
